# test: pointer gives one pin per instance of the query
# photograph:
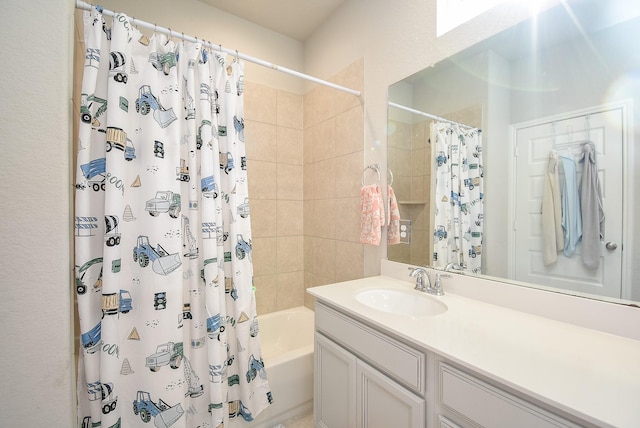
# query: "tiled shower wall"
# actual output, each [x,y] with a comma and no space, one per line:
[410,163]
[304,160]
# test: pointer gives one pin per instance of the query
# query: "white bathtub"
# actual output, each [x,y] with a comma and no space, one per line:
[286,338]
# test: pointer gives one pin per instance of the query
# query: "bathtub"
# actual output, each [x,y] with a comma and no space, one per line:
[286,338]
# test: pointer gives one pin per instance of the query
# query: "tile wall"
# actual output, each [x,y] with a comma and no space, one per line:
[410,163]
[304,160]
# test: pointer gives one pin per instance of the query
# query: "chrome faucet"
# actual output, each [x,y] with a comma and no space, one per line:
[452,266]
[420,274]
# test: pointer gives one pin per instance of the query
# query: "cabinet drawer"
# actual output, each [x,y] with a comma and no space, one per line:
[488,406]
[399,361]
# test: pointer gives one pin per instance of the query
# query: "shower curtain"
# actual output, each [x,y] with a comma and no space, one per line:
[164,274]
[459,196]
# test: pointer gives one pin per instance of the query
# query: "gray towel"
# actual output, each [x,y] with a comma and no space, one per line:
[592,210]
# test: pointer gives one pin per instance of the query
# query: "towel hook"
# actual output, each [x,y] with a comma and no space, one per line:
[373,167]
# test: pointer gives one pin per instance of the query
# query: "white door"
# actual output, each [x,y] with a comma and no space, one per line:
[532,147]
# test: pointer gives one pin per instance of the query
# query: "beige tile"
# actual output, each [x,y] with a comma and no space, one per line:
[309,245]
[349,261]
[324,179]
[348,219]
[266,293]
[290,146]
[325,106]
[417,162]
[261,141]
[260,103]
[351,77]
[290,290]
[289,182]
[290,110]
[324,258]
[309,181]
[350,131]
[418,191]
[262,184]
[310,105]
[290,254]
[307,150]
[309,223]
[324,217]
[420,135]
[399,253]
[264,256]
[263,218]
[290,218]
[324,140]
[349,174]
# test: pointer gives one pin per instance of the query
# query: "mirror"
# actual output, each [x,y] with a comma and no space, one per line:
[569,76]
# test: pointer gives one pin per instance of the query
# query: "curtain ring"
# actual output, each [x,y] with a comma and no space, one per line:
[237,56]
[220,47]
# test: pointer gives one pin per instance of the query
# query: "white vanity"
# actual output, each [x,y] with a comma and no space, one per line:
[382,362]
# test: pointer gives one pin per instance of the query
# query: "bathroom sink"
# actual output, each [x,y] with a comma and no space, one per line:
[401,302]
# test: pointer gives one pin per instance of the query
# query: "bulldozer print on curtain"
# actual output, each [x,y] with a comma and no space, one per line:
[162,262]
[147,101]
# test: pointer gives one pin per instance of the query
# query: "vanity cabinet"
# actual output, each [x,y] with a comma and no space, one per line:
[364,378]
[464,400]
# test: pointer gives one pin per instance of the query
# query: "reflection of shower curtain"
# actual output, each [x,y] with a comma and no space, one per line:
[459,196]
[163,241]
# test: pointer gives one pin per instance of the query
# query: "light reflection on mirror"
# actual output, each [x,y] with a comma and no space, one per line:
[574,60]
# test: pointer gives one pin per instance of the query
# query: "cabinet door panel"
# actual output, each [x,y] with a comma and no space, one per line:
[382,403]
[335,385]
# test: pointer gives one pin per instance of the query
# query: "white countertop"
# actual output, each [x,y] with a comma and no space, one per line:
[592,375]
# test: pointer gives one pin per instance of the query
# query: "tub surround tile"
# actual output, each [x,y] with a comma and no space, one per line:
[290,255]
[264,256]
[290,110]
[289,146]
[290,218]
[290,290]
[261,179]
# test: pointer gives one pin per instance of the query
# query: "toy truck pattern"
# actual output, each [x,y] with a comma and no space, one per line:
[170,232]
[114,303]
[165,201]
[457,233]
[163,414]
[166,354]
[117,138]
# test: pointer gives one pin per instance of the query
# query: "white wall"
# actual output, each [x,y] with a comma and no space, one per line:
[35,268]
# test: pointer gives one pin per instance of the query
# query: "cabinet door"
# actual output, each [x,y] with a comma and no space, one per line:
[335,385]
[382,403]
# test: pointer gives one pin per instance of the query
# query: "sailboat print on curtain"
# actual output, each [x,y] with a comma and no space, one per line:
[164,276]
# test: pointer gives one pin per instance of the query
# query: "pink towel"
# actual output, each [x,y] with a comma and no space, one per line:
[393,225]
[372,212]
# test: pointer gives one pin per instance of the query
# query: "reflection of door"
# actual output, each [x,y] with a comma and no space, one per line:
[567,135]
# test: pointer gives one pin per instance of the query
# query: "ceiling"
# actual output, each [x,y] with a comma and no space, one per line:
[297,19]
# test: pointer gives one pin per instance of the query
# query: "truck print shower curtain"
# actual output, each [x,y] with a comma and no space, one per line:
[459,196]
[164,275]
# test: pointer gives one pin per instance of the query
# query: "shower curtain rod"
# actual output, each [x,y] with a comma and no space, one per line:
[86,6]
[430,116]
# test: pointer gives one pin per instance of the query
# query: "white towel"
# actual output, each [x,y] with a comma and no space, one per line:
[552,234]
[592,209]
